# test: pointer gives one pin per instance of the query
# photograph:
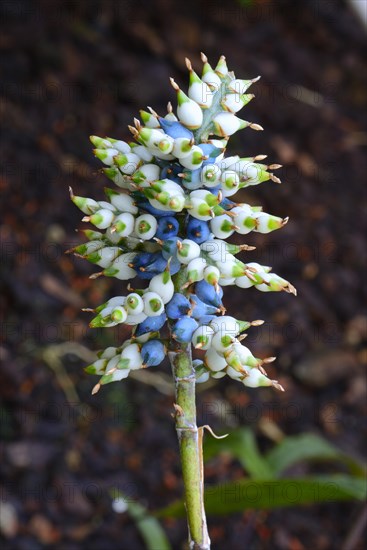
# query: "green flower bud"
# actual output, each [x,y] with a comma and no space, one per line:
[133,355]
[222,226]
[188,250]
[127,164]
[234,102]
[100,143]
[241,86]
[211,175]
[162,284]
[227,124]
[120,145]
[209,76]
[107,156]
[122,181]
[230,183]
[104,256]
[86,205]
[134,304]
[120,267]
[211,275]
[142,152]
[202,337]
[145,226]
[182,147]
[147,172]
[149,120]
[98,367]
[153,304]
[195,269]
[221,69]
[265,223]
[199,209]
[213,361]
[199,91]
[101,219]
[188,111]
[123,224]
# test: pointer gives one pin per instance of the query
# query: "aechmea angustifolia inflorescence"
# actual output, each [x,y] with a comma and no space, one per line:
[167,222]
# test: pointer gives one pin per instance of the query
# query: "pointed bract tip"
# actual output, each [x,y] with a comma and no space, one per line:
[96,389]
[257,322]
[255,126]
[269,360]
[152,111]
[188,63]
[275,179]
[86,219]
[285,220]
[260,157]
[173,84]
[232,214]
[111,371]
[133,130]
[71,192]
[96,275]
[277,386]
[169,108]
[291,289]
[255,79]
[250,276]
[204,59]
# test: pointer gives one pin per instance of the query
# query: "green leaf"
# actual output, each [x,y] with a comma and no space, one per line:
[307,447]
[242,445]
[148,526]
[236,496]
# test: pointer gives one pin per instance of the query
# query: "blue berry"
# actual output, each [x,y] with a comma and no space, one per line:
[174,266]
[169,248]
[184,328]
[210,151]
[145,205]
[208,294]
[153,353]
[192,179]
[156,266]
[227,204]
[199,308]
[167,227]
[142,259]
[175,129]
[178,306]
[206,319]
[197,230]
[151,324]
[171,172]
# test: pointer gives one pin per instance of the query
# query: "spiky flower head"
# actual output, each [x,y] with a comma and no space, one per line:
[167,224]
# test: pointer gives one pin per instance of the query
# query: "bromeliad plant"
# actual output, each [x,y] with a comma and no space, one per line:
[166,224]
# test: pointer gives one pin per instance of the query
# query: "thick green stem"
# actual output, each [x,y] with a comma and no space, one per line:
[190,446]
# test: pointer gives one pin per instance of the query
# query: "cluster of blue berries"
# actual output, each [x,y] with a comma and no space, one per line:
[167,223]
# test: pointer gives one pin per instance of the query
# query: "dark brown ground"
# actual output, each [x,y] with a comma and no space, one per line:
[70,69]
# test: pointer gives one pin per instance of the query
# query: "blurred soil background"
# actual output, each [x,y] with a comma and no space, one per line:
[74,68]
